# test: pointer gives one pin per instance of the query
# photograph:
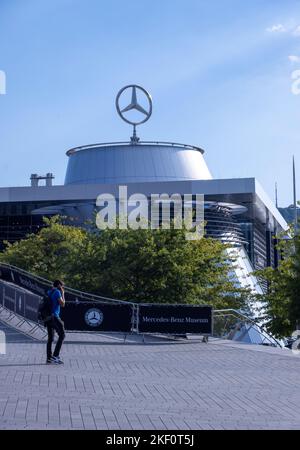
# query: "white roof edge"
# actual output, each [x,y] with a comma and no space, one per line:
[270,205]
[82,191]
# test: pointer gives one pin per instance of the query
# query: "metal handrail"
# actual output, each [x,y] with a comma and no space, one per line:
[84,295]
[141,143]
[67,289]
[236,313]
[270,339]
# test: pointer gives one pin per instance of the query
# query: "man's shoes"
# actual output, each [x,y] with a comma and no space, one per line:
[50,360]
[57,360]
[54,360]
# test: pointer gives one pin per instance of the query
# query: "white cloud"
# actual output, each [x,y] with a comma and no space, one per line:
[294,59]
[296,83]
[277,29]
[290,28]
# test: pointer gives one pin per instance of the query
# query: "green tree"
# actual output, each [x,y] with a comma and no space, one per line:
[155,266]
[281,302]
[161,266]
[49,253]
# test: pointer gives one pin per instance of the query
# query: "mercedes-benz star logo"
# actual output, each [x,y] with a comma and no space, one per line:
[93,317]
[134,105]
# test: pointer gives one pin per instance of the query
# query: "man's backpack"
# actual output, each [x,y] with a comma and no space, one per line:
[45,309]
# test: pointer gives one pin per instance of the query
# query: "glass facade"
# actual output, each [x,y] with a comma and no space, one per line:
[17,219]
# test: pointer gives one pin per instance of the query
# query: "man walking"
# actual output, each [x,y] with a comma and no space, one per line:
[57,297]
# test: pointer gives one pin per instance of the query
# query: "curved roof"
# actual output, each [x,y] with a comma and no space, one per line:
[128,163]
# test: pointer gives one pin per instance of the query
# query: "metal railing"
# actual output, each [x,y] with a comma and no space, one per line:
[229,322]
[77,293]
[140,143]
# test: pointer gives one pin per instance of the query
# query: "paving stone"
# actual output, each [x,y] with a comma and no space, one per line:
[163,385]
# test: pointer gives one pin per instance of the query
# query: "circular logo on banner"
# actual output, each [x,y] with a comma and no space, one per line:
[93,317]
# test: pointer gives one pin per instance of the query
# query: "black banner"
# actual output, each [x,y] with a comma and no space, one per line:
[175,319]
[31,284]
[90,316]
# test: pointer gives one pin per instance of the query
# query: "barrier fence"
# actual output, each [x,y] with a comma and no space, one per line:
[86,312]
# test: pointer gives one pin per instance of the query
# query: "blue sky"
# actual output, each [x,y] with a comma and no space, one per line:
[219,71]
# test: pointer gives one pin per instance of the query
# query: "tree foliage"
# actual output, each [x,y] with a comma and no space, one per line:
[155,266]
[281,302]
[49,253]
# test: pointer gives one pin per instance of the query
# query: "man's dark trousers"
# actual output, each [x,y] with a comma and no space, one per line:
[56,324]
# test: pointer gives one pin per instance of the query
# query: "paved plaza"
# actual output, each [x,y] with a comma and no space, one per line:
[160,384]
